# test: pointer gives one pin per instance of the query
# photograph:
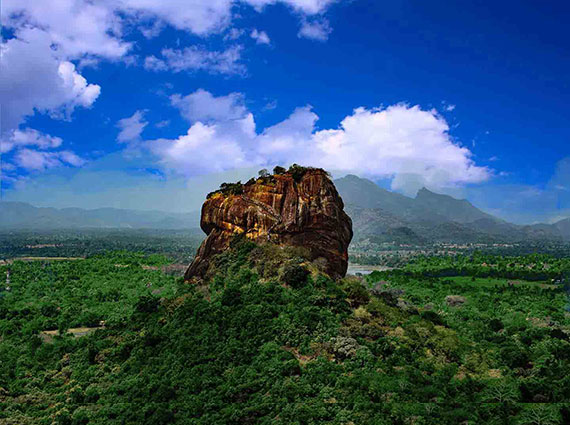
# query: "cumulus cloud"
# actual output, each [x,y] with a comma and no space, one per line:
[98,25]
[46,37]
[34,79]
[29,137]
[309,7]
[317,29]
[43,41]
[195,58]
[203,106]
[260,37]
[234,34]
[131,127]
[76,27]
[410,145]
[202,150]
[33,160]
[31,150]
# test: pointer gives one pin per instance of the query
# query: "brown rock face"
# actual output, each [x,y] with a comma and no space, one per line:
[308,213]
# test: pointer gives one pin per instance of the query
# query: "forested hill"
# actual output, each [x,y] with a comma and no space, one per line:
[430,217]
[16,215]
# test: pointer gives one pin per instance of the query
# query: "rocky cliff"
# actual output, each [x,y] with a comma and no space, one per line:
[298,207]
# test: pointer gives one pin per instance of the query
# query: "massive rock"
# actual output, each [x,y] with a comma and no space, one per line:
[297,208]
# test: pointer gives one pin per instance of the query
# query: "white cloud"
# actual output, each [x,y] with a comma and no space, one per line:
[203,106]
[203,17]
[28,149]
[162,124]
[406,143]
[309,7]
[195,58]
[152,63]
[76,27]
[202,150]
[317,29]
[290,140]
[29,137]
[34,79]
[131,127]
[33,160]
[400,141]
[450,108]
[84,26]
[38,73]
[198,17]
[260,37]
[234,34]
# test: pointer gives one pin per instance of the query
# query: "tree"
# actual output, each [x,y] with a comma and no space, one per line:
[279,170]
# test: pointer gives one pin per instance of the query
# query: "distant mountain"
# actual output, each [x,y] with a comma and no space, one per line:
[427,207]
[563,227]
[385,216]
[18,215]
[460,211]
[377,214]
[367,194]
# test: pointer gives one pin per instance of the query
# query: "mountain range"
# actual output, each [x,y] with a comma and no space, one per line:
[386,216]
[21,215]
[377,214]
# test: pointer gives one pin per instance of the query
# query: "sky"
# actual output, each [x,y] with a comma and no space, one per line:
[151,104]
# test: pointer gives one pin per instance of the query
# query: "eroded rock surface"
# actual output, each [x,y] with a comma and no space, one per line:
[296,209]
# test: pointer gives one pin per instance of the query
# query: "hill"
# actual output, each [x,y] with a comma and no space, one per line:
[431,217]
[19,215]
[563,227]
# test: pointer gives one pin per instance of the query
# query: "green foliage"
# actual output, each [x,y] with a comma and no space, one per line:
[297,171]
[295,275]
[231,188]
[176,245]
[279,170]
[274,344]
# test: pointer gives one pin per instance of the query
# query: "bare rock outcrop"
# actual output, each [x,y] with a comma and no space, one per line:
[299,207]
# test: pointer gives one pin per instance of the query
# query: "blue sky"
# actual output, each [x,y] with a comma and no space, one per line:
[147,104]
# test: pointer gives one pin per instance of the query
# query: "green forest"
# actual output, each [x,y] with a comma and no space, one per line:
[111,339]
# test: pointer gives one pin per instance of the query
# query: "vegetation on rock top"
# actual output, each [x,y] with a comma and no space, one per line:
[296,171]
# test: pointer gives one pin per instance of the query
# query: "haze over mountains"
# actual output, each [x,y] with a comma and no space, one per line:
[430,217]
[377,213]
[21,215]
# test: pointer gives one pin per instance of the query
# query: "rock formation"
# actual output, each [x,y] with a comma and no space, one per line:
[299,207]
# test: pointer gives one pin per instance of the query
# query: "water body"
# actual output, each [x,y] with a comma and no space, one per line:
[364,269]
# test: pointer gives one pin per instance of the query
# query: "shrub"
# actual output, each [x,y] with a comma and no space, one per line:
[147,304]
[294,275]
[356,292]
[297,172]
[279,170]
